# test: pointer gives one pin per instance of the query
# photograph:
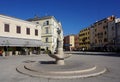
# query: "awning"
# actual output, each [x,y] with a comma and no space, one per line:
[20,42]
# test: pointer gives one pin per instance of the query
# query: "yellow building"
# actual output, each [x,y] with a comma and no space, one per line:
[84,39]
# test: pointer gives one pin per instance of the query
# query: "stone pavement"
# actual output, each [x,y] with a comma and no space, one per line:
[93,53]
[8,66]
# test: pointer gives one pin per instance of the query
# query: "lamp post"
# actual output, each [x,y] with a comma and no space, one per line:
[6,46]
[26,49]
[7,43]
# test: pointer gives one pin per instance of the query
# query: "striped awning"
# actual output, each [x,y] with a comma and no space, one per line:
[20,42]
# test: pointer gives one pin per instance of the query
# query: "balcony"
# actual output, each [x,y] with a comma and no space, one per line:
[46,34]
[47,25]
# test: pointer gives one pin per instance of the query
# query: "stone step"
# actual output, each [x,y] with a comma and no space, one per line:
[65,71]
[98,71]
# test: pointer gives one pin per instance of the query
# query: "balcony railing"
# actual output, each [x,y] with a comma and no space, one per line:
[47,24]
[47,34]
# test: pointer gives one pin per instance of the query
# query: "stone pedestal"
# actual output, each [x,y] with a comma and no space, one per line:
[60,51]
[30,52]
[3,54]
[16,52]
[60,62]
[10,53]
[60,55]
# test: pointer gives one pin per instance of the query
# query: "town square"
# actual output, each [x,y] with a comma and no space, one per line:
[59,41]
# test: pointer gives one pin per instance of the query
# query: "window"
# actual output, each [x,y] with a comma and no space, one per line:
[36,32]
[105,40]
[105,32]
[6,28]
[99,23]
[95,41]
[88,38]
[46,48]
[95,34]
[28,31]
[105,21]
[104,27]
[95,30]
[100,41]
[46,39]
[113,28]
[18,29]
[47,22]
[37,22]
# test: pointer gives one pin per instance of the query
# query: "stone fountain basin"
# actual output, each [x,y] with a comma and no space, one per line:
[72,69]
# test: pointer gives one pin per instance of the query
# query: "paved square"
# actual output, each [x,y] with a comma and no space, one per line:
[8,66]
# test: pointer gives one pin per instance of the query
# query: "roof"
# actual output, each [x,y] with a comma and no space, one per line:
[36,18]
[69,35]
[14,18]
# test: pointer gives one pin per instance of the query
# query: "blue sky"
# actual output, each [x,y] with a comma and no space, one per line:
[73,14]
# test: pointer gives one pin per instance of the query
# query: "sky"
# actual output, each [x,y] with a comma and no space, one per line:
[73,14]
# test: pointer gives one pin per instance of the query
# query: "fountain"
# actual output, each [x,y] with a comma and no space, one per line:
[60,56]
[71,69]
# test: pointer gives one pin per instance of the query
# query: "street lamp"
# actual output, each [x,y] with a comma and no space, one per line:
[7,44]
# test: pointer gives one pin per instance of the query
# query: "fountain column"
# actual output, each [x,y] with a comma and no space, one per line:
[60,53]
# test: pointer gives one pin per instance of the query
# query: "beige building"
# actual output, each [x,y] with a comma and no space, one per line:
[69,42]
[49,27]
[72,42]
[16,33]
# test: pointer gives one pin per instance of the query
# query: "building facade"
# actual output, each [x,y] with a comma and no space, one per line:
[49,27]
[76,37]
[92,37]
[16,33]
[117,39]
[103,32]
[69,43]
[84,39]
